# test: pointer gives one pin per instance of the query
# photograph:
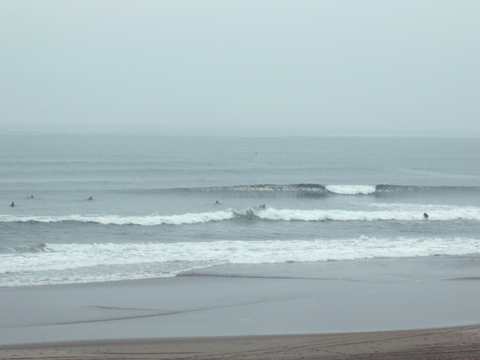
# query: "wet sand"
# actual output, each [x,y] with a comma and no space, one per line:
[444,343]
[386,309]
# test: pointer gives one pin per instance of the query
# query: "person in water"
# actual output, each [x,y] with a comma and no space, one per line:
[90,198]
[262,206]
[31,197]
[12,204]
[217,203]
[425,216]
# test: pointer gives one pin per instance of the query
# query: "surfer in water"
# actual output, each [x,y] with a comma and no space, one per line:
[12,204]
[425,216]
[90,198]
[217,203]
[262,206]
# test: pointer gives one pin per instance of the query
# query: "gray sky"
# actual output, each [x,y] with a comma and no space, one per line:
[241,67]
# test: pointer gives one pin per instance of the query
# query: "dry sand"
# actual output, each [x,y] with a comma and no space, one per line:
[444,343]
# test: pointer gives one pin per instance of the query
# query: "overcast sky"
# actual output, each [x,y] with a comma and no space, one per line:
[241,67]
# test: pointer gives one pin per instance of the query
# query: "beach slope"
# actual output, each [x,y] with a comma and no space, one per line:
[444,343]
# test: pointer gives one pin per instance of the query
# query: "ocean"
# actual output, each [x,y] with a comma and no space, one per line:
[170,206]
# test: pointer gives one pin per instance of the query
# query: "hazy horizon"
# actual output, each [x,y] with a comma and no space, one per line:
[240,68]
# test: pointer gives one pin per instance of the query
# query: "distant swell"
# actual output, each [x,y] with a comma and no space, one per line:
[319,190]
[260,190]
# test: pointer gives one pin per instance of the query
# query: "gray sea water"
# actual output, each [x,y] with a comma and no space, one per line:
[154,209]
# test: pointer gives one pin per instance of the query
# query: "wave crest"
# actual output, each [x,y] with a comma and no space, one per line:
[399,212]
[351,189]
[324,190]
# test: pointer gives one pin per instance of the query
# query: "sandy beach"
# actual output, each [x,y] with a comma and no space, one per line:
[444,343]
[423,308]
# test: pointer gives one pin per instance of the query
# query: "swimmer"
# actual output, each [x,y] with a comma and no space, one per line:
[425,216]
[90,198]
[12,204]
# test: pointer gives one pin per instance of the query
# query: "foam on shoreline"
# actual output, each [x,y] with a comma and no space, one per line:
[342,296]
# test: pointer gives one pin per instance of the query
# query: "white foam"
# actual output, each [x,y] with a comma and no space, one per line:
[151,220]
[374,212]
[75,263]
[401,213]
[351,189]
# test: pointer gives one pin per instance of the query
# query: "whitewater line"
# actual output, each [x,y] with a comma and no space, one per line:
[383,212]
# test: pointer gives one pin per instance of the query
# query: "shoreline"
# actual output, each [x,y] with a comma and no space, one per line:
[460,342]
[420,305]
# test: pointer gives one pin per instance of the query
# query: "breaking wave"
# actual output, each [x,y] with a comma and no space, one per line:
[351,189]
[76,263]
[22,249]
[378,212]
[150,220]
